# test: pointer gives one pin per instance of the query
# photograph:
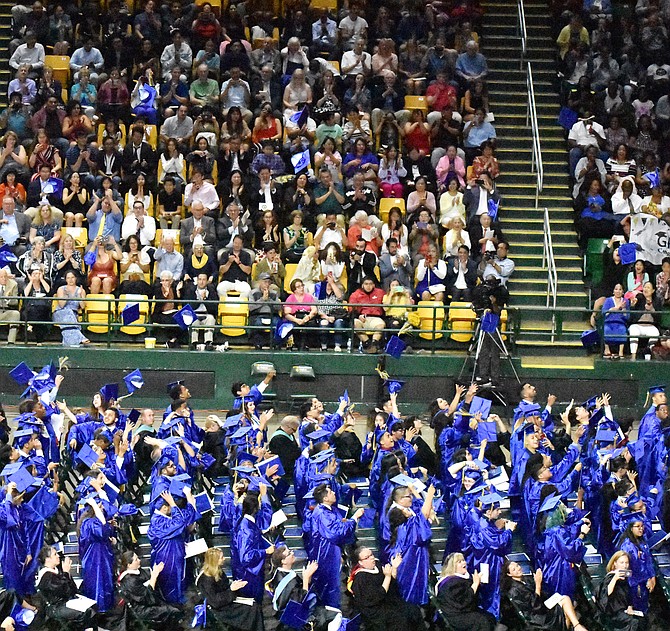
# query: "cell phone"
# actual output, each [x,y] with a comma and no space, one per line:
[421,224]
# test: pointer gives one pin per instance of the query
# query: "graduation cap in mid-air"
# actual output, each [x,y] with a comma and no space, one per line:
[295,615]
[134,380]
[395,347]
[23,479]
[44,503]
[590,337]
[185,317]
[550,503]
[283,328]
[627,253]
[87,455]
[130,313]
[109,392]
[7,256]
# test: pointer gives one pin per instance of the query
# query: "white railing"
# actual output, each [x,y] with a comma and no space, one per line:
[549,263]
[522,31]
[537,166]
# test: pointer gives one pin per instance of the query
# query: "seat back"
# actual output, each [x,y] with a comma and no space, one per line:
[385,205]
[61,67]
[233,316]
[136,328]
[98,308]
[461,321]
[431,316]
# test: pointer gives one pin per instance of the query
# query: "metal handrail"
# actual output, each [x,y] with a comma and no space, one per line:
[549,263]
[521,27]
[537,165]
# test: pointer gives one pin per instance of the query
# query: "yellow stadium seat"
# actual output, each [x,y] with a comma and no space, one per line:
[151,135]
[431,316]
[290,270]
[335,65]
[413,102]
[233,316]
[216,5]
[469,173]
[80,236]
[61,67]
[136,328]
[461,321]
[98,307]
[330,5]
[385,205]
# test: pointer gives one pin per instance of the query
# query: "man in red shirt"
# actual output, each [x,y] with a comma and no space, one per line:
[368,320]
[439,94]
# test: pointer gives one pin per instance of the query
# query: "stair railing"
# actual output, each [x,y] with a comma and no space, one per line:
[522,32]
[537,165]
[549,263]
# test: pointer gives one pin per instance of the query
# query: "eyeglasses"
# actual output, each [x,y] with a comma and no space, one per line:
[370,556]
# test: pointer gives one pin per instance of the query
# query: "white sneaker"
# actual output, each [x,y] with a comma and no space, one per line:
[338,348]
[324,347]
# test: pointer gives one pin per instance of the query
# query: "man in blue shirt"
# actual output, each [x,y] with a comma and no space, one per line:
[471,65]
[104,219]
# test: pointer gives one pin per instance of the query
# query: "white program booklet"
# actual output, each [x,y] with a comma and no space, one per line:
[80,603]
[193,548]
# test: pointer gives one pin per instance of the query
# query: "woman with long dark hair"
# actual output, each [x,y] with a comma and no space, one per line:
[642,579]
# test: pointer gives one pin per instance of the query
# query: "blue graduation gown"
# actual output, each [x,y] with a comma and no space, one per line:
[167,535]
[329,533]
[648,420]
[13,548]
[413,542]
[561,552]
[459,512]
[642,568]
[97,562]
[490,545]
[247,557]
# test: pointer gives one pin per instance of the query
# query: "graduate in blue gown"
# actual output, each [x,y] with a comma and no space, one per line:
[491,541]
[96,551]
[561,546]
[168,531]
[330,531]
[643,576]
[248,548]
[12,543]
[462,505]
[410,538]
[658,396]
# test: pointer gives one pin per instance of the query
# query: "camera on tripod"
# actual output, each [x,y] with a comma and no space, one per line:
[490,294]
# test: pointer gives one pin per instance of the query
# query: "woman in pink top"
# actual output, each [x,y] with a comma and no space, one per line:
[450,166]
[300,308]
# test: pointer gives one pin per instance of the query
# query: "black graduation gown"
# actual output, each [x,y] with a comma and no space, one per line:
[458,603]
[537,616]
[145,602]
[379,609]
[348,447]
[220,603]
[613,608]
[57,588]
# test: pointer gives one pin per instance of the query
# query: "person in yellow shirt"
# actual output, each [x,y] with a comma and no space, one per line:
[573,32]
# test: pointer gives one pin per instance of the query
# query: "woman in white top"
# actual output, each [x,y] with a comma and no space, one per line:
[330,157]
[394,227]
[455,238]
[430,276]
[172,163]
[331,262]
[451,205]
[139,192]
[308,270]
[296,91]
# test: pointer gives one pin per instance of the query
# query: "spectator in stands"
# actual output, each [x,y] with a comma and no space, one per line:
[133,253]
[200,191]
[234,223]
[139,223]
[71,301]
[37,255]
[37,311]
[616,314]
[268,195]
[588,168]
[87,57]
[300,309]
[102,276]
[11,188]
[388,100]
[440,95]
[108,164]
[420,199]
[264,309]
[360,166]
[295,237]
[391,169]
[235,92]
[332,315]
[104,218]
[16,118]
[29,54]
[75,201]
[417,133]
[14,227]
[35,21]
[395,228]
[45,225]
[177,55]
[84,92]
[168,259]
[450,167]
[202,298]
[353,28]
[645,317]
[471,65]
[423,234]
[9,303]
[235,270]
[354,129]
[461,275]
[476,132]
[368,318]
[395,264]
[166,290]
[363,228]
[49,118]
[360,264]
[497,266]
[431,273]
[585,133]
[198,224]
[113,97]
[575,30]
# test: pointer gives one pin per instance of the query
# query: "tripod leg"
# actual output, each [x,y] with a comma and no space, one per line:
[500,343]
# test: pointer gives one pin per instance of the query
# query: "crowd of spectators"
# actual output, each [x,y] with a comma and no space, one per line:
[615,89]
[321,147]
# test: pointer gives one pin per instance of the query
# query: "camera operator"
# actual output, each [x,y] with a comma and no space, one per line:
[490,296]
[498,266]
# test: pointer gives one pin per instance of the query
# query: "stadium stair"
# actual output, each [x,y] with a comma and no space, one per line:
[522,224]
[5,37]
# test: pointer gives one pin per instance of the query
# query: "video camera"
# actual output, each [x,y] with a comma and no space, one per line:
[489,294]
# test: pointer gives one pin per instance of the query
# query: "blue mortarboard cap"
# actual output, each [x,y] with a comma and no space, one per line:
[628,518]
[490,322]
[244,469]
[22,479]
[174,384]
[12,467]
[255,482]
[7,256]
[479,404]
[323,456]
[130,313]
[606,436]
[44,379]
[133,415]
[203,503]
[24,433]
[492,208]
[590,403]
[395,347]
[531,411]
[243,456]
[232,421]
[110,392]
[300,118]
[91,257]
[654,177]
[300,161]
[185,317]
[590,337]
[394,385]
[351,624]
[127,510]
[43,503]
[318,434]
[87,455]
[627,253]
[170,423]
[134,380]
[656,389]
[242,432]
[283,328]
[22,374]
[550,503]
[482,488]
[295,615]
[491,499]
[177,487]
